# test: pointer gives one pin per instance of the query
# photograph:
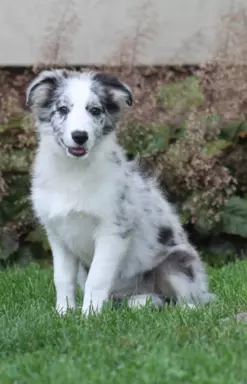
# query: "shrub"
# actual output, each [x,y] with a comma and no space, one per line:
[203,160]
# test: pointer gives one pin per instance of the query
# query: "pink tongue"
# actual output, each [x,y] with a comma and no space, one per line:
[80,151]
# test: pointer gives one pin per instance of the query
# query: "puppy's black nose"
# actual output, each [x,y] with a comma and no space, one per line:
[79,137]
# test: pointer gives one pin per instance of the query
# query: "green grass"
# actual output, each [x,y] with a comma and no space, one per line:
[121,346]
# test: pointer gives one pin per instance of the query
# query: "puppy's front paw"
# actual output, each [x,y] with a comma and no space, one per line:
[93,309]
[61,310]
[92,304]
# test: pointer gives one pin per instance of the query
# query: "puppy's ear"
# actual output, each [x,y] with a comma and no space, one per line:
[119,92]
[41,93]
[41,89]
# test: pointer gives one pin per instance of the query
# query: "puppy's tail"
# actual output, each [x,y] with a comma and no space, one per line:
[182,275]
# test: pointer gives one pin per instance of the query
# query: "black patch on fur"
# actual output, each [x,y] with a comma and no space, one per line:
[109,81]
[190,272]
[122,196]
[182,262]
[53,113]
[65,74]
[109,104]
[115,158]
[44,119]
[107,129]
[142,168]
[165,236]
[121,219]
[147,210]
[144,171]
[125,234]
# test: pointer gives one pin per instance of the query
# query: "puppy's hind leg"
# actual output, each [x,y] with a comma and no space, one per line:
[139,292]
[138,301]
[182,275]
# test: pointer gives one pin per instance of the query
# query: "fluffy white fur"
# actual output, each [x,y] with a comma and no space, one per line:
[109,227]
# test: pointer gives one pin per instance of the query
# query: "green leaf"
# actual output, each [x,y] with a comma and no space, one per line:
[184,217]
[160,138]
[13,123]
[243,129]
[183,94]
[232,129]
[203,225]
[15,161]
[178,132]
[214,148]
[145,139]
[229,130]
[191,206]
[234,217]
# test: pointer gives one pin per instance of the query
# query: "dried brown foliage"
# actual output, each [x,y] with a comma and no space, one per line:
[192,176]
[131,48]
[58,40]
[224,80]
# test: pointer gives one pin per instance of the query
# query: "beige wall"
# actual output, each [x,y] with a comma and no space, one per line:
[103,31]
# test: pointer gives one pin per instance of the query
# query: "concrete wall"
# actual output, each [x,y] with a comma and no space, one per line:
[83,32]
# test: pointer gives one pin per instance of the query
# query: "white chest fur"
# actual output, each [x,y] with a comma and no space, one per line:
[77,232]
[72,199]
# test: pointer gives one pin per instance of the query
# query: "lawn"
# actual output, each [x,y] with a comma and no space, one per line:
[121,346]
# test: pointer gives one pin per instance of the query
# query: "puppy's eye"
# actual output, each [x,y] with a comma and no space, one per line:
[63,110]
[96,111]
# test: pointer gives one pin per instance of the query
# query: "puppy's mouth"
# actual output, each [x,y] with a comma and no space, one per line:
[77,151]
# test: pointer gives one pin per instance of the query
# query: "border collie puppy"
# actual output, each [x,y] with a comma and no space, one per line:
[109,227]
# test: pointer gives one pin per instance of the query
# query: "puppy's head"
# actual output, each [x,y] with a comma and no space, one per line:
[79,109]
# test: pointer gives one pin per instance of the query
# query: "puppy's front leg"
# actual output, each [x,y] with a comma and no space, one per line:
[110,251]
[65,273]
